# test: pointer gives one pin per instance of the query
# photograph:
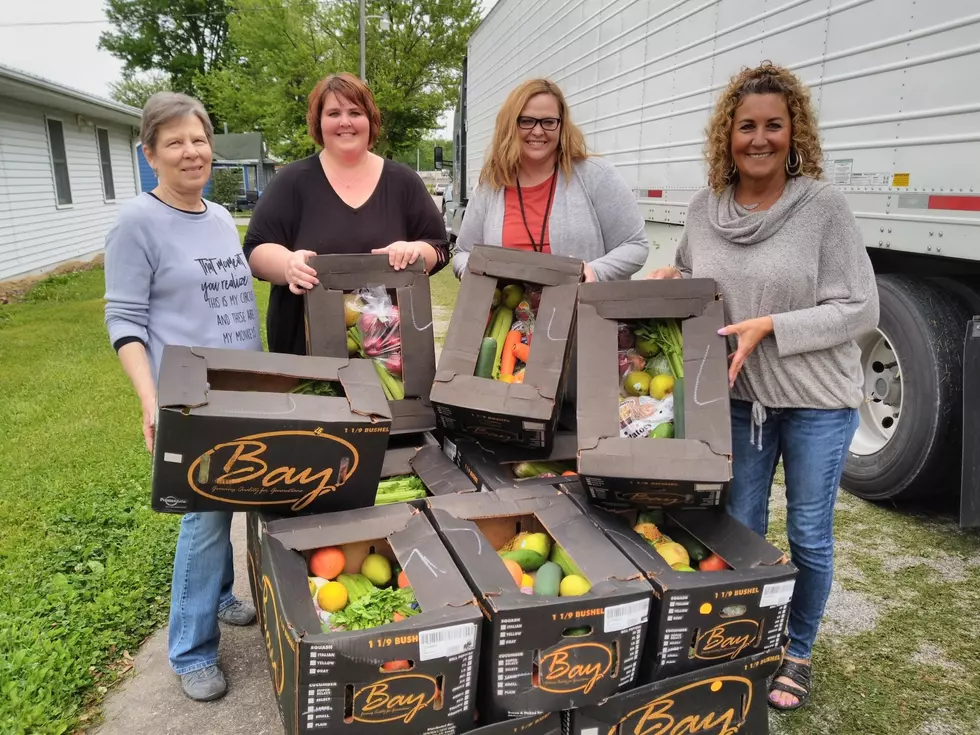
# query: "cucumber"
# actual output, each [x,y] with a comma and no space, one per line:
[547,580]
[695,549]
[484,362]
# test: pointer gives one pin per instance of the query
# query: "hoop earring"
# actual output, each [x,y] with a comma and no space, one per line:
[731,173]
[796,168]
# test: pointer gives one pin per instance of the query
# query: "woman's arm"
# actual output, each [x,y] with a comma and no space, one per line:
[621,225]
[847,294]
[128,274]
[471,231]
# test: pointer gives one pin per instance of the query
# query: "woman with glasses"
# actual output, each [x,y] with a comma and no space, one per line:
[540,190]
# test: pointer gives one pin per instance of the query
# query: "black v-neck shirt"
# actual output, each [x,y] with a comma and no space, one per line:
[301,211]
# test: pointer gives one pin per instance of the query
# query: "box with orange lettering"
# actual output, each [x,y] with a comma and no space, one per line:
[369,626]
[566,611]
[720,591]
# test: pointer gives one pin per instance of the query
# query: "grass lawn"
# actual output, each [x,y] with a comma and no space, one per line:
[85,565]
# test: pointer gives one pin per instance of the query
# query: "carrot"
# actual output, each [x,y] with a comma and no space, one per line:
[519,376]
[521,351]
[508,361]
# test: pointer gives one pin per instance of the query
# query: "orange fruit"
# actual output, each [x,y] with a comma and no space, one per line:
[397,617]
[397,666]
[402,579]
[327,562]
[515,570]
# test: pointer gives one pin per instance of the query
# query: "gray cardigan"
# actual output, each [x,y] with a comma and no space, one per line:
[594,217]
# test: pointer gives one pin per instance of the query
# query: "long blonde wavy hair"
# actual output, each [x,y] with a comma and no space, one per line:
[765,79]
[504,161]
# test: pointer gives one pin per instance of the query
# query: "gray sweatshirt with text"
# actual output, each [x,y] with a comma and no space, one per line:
[803,262]
[178,278]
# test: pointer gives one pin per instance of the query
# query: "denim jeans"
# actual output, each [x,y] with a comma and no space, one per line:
[204,572]
[813,444]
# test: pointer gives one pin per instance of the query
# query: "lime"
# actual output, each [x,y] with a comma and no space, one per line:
[663,431]
[661,385]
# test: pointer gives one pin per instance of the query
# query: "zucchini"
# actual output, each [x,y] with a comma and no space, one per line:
[695,549]
[484,362]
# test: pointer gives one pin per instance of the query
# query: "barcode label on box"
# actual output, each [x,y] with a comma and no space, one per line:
[590,731]
[173,457]
[450,449]
[621,617]
[444,642]
[774,595]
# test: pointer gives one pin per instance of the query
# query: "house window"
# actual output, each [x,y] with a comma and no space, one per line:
[105,161]
[59,161]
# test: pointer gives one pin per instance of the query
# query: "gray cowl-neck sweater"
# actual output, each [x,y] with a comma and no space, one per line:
[803,262]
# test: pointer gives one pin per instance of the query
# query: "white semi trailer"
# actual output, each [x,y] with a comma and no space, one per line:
[897,87]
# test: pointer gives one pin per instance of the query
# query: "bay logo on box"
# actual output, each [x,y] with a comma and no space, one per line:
[657,498]
[727,640]
[291,468]
[716,706]
[395,698]
[576,667]
[275,635]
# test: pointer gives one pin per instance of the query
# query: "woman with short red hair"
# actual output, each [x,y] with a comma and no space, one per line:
[345,199]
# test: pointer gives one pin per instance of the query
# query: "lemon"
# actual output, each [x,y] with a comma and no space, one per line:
[377,569]
[661,386]
[573,585]
[332,597]
[637,383]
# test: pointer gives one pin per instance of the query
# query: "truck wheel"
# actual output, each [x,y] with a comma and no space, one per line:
[908,443]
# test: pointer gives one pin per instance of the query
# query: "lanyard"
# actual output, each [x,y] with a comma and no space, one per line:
[547,212]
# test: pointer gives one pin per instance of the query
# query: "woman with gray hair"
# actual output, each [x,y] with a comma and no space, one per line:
[175,275]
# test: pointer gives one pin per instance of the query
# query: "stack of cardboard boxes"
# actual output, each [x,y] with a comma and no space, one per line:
[538,605]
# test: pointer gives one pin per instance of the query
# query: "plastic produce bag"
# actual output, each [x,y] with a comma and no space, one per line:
[640,416]
[376,335]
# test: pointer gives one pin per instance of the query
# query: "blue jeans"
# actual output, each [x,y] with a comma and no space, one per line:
[204,572]
[813,444]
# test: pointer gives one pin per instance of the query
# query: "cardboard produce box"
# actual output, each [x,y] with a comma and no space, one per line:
[420,672]
[408,291]
[523,413]
[232,435]
[689,470]
[701,618]
[542,652]
[493,466]
[726,699]
[421,456]
[549,723]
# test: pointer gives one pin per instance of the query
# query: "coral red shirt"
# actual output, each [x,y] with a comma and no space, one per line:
[535,203]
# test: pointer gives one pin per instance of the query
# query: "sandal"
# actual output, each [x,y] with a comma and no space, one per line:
[800,674]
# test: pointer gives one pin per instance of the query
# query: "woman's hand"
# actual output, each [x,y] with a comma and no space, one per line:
[299,276]
[665,273]
[401,254]
[149,424]
[589,274]
[749,334]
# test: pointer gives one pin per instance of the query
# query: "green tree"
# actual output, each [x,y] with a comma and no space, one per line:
[422,154]
[186,39]
[283,47]
[226,182]
[135,89]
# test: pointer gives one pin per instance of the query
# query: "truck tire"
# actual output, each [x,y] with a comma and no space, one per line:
[908,445]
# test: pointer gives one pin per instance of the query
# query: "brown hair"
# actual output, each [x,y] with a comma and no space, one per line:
[353,90]
[764,79]
[163,107]
[504,160]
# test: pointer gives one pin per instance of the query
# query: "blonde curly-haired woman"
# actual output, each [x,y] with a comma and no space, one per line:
[787,255]
[540,190]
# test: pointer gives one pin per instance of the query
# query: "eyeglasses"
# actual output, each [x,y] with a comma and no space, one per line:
[547,123]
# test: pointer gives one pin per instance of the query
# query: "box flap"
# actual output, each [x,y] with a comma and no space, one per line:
[678,298]
[336,529]
[520,265]
[428,565]
[438,474]
[546,724]
[564,447]
[735,543]
[183,378]
[363,389]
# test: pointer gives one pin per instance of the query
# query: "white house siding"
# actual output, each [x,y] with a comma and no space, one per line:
[36,234]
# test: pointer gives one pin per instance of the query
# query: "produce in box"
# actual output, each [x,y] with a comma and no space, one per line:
[400,489]
[651,359]
[377,594]
[374,332]
[542,567]
[506,342]
[680,549]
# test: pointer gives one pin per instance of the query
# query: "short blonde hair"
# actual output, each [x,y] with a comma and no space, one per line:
[164,107]
[504,161]
[766,78]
